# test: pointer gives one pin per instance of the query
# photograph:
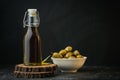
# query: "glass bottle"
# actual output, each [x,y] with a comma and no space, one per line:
[32,41]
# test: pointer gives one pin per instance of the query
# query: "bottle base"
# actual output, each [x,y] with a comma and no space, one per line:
[33,64]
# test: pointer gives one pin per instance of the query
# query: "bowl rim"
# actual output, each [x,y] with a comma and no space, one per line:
[69,58]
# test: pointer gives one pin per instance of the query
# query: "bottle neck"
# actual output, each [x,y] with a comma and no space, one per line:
[33,21]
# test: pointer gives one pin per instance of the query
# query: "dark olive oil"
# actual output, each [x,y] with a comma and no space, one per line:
[32,47]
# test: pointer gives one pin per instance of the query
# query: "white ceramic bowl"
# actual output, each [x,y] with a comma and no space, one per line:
[69,65]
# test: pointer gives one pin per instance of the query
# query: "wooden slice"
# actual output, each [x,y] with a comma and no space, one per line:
[46,70]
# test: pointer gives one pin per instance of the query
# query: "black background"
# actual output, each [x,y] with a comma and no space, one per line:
[89,26]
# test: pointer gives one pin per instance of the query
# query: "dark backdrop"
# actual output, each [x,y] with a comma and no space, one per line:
[91,27]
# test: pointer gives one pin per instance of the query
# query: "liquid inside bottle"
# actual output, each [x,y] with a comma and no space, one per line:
[31,40]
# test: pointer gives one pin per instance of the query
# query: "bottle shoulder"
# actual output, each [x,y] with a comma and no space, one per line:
[32,33]
[32,36]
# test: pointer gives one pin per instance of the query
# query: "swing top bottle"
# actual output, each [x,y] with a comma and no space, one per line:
[32,41]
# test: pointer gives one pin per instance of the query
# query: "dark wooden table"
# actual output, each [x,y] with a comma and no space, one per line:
[85,73]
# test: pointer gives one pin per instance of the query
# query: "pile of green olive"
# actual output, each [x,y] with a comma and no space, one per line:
[67,53]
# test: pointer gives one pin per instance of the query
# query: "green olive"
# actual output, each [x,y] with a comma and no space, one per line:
[71,57]
[68,48]
[79,56]
[62,52]
[68,54]
[56,55]
[76,52]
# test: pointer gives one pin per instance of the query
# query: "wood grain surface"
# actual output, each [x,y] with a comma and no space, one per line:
[46,70]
